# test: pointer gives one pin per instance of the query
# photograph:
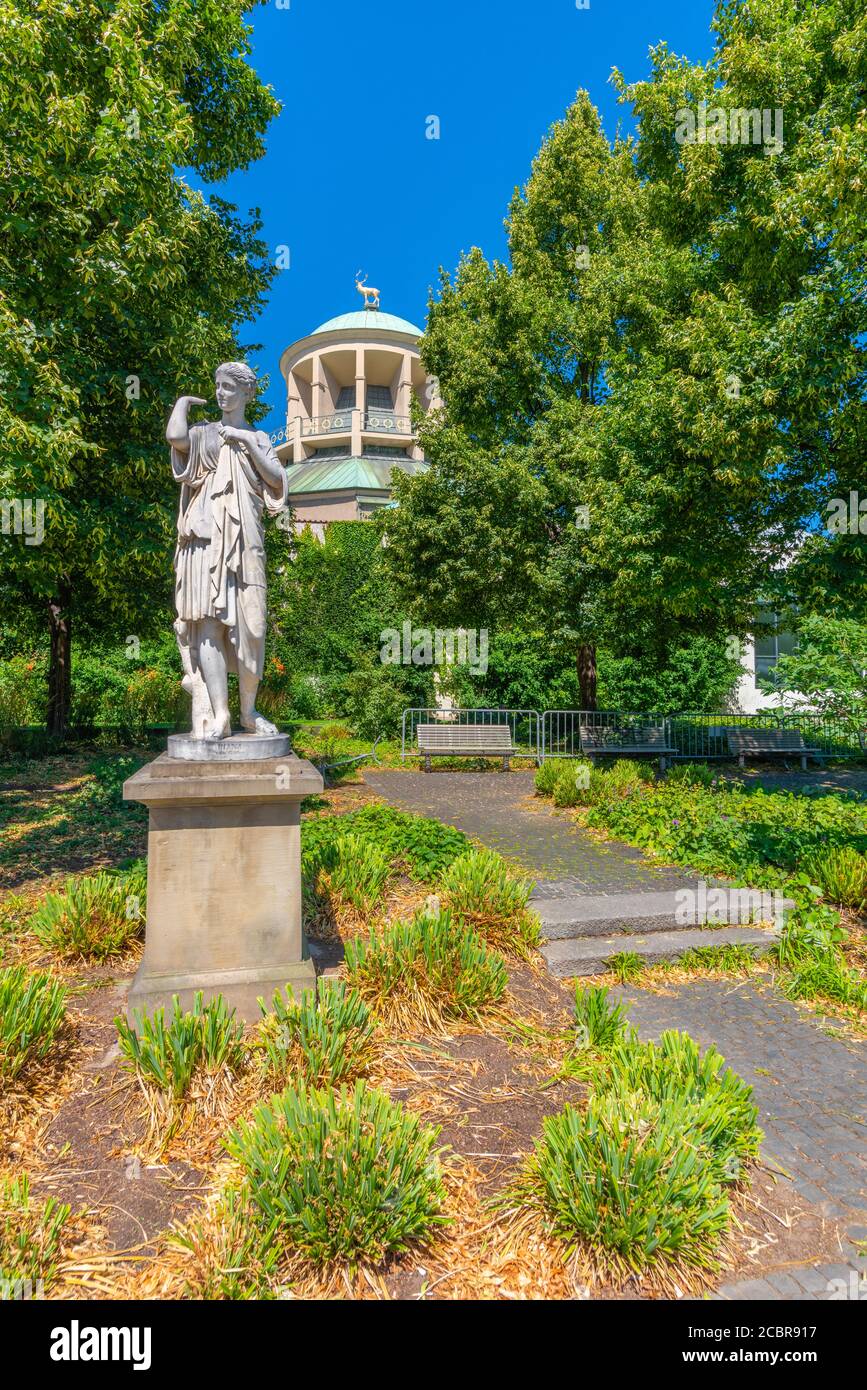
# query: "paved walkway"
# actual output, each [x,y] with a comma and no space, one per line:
[493,808]
[811,1089]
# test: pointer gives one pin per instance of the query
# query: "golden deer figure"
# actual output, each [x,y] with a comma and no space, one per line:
[371,296]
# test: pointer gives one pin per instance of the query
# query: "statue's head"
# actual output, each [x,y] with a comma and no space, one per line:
[236,384]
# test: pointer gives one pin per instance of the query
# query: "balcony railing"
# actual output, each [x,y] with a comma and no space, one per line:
[386,422]
[338,423]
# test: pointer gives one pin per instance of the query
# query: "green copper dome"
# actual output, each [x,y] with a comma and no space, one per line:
[369,320]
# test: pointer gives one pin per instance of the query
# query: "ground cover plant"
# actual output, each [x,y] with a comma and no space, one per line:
[96,918]
[32,1013]
[169,1058]
[424,847]
[326,1037]
[806,845]
[30,1236]
[422,973]
[637,1179]
[493,899]
[349,1177]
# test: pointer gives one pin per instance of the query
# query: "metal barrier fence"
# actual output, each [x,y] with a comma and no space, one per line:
[693,735]
[561,729]
[704,735]
[523,726]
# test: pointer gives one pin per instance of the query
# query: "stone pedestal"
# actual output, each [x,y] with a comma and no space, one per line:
[224,881]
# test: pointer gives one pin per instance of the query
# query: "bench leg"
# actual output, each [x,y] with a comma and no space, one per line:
[741,760]
[804,764]
[505,765]
[427,764]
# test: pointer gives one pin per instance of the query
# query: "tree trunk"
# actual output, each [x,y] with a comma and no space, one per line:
[586,663]
[60,661]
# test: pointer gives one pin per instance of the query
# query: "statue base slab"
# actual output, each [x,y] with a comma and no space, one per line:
[238,748]
[224,881]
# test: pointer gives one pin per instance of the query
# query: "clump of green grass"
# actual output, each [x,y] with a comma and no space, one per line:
[730,960]
[549,773]
[30,1238]
[692,775]
[95,918]
[341,1178]
[327,1037]
[32,1013]
[482,890]
[625,966]
[578,782]
[209,1038]
[639,1179]
[231,1252]
[841,873]
[675,1071]
[425,972]
[358,872]
[598,1023]
[827,978]
[625,1180]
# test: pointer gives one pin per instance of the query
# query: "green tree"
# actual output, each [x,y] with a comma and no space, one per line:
[674,348]
[120,285]
[828,672]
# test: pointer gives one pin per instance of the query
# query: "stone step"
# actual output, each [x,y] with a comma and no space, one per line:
[574,916]
[587,955]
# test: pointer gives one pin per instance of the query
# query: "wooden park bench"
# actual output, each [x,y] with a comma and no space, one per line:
[770,743]
[644,740]
[465,741]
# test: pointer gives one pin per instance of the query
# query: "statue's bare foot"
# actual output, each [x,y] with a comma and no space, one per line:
[219,728]
[256,723]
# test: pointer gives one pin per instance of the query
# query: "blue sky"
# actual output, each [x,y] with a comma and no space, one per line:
[350,180]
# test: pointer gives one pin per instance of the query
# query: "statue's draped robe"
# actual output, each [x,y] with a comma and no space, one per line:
[220,555]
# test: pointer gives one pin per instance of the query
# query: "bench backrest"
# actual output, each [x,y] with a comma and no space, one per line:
[765,741]
[625,736]
[442,738]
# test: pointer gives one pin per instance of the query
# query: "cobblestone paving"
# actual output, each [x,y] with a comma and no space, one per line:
[492,808]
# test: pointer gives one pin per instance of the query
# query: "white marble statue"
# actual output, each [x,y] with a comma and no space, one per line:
[229,476]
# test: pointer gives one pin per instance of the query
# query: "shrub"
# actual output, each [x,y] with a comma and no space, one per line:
[326,1036]
[550,771]
[32,1012]
[29,1239]
[841,873]
[675,1072]
[640,1177]
[342,1178]
[423,972]
[483,891]
[95,918]
[574,784]
[23,692]
[208,1038]
[598,1024]
[626,1178]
